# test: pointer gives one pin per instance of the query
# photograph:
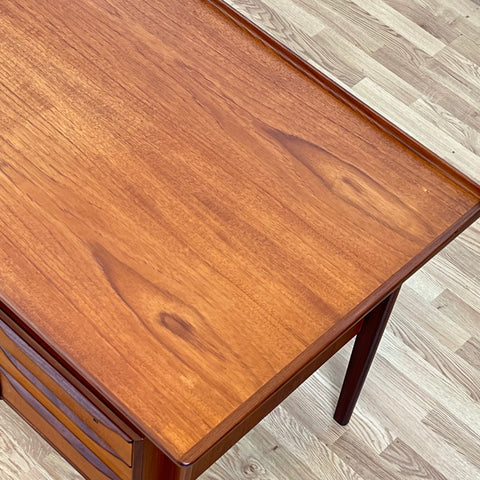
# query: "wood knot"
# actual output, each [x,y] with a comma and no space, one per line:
[176,324]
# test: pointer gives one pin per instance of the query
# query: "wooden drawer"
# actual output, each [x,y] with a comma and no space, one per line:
[95,444]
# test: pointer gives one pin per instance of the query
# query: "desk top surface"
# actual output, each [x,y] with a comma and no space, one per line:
[187,219]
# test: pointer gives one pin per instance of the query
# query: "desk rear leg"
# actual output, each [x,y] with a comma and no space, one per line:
[366,345]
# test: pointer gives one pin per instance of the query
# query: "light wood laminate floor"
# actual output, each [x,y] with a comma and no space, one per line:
[417,62]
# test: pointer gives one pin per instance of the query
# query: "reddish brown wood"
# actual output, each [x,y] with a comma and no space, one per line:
[62,418]
[188,221]
[157,466]
[54,432]
[338,91]
[366,345]
[27,341]
[87,422]
[263,409]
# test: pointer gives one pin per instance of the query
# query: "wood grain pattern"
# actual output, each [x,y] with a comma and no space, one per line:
[122,276]
[409,463]
[266,407]
[443,318]
[469,352]
[156,242]
[465,440]
[444,308]
[423,53]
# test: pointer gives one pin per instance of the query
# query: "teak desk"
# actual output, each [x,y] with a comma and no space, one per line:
[190,226]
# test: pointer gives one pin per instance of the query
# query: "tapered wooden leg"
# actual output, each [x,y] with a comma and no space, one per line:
[366,344]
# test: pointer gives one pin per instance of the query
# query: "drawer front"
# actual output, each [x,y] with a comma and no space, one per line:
[74,425]
[59,436]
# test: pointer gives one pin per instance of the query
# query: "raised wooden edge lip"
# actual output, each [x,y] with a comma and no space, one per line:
[208,442]
[308,355]
[341,93]
[316,348]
